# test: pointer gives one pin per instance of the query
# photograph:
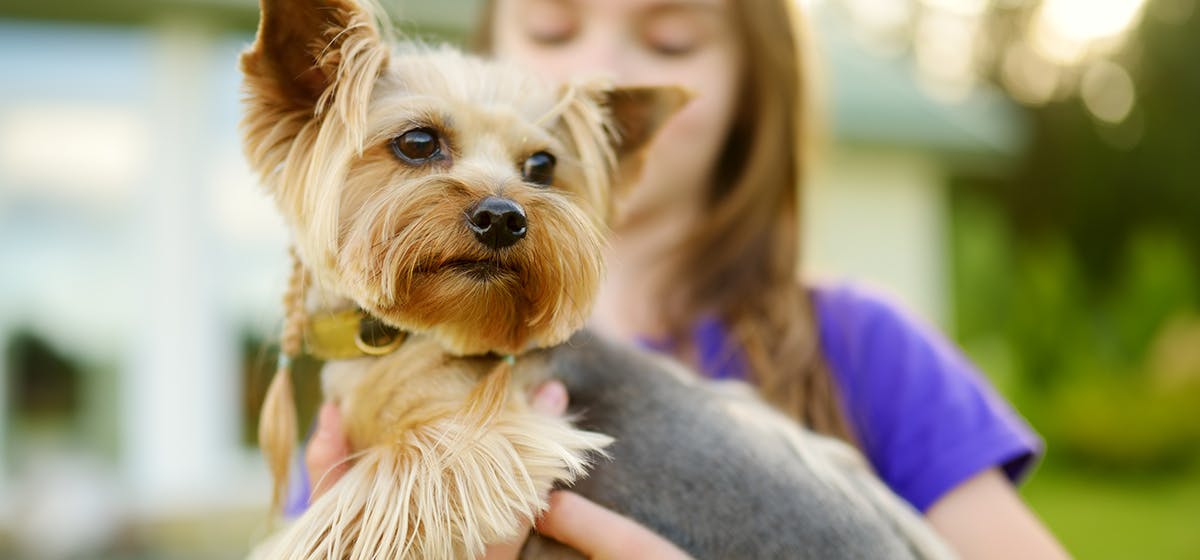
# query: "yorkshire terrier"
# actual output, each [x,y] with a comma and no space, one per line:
[448,217]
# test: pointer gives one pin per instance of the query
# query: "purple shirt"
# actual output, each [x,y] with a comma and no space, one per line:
[925,417]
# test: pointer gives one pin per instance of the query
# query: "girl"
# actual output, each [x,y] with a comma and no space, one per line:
[703,266]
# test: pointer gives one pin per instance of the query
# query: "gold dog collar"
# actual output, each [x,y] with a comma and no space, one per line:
[350,334]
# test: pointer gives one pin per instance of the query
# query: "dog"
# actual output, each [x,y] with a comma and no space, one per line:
[448,217]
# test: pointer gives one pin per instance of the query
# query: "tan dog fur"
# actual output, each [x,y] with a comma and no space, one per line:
[449,456]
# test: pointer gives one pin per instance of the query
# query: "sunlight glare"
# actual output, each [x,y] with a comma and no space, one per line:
[1064,30]
[1088,20]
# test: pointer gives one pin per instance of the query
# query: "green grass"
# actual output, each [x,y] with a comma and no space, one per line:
[1099,516]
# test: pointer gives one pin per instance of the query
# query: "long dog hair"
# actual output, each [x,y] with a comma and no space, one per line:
[449,454]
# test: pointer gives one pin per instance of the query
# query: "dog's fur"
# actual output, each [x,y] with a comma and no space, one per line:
[718,472]
[448,454]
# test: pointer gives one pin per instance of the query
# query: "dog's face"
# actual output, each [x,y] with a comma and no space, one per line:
[464,216]
[440,192]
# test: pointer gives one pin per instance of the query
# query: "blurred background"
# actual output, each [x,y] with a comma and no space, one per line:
[1023,173]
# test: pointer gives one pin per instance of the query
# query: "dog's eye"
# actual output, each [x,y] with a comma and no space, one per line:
[417,146]
[539,169]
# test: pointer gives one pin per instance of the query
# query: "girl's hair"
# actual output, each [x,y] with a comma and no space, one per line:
[742,267]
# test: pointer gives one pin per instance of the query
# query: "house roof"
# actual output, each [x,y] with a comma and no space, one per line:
[878,99]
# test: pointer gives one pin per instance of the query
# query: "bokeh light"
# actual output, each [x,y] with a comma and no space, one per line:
[1067,30]
[1108,91]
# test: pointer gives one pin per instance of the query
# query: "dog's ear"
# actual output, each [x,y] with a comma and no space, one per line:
[638,113]
[300,45]
[604,121]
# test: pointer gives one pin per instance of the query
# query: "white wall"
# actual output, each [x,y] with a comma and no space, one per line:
[132,236]
[878,215]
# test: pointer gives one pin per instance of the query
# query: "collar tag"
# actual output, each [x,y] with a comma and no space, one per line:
[350,334]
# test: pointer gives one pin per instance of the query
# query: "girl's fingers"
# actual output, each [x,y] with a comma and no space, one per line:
[550,398]
[599,533]
[509,550]
[327,451]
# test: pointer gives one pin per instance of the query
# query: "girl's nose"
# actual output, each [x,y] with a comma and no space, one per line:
[606,53]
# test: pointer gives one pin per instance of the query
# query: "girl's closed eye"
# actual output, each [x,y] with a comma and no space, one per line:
[672,35]
[549,22]
[678,30]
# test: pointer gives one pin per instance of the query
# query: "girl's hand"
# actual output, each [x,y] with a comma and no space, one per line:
[327,450]
[599,533]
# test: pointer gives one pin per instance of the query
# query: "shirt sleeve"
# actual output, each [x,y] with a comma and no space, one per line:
[926,418]
[296,501]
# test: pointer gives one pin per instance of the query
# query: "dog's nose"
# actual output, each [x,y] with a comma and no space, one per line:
[497,222]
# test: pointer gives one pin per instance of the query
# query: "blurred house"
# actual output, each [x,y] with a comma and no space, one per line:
[877,207]
[137,252]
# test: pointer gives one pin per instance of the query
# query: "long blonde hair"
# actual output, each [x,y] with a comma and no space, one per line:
[742,266]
